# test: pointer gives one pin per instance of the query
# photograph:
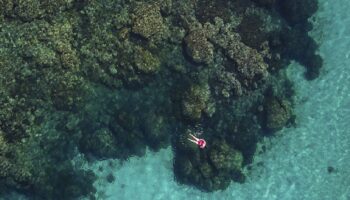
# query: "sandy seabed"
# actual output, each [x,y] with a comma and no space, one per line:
[297,164]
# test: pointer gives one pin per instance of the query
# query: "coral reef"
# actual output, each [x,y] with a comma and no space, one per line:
[198,47]
[101,143]
[208,169]
[148,21]
[145,62]
[195,101]
[297,11]
[109,78]
[278,112]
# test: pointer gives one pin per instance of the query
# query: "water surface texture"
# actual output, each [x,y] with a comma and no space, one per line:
[98,99]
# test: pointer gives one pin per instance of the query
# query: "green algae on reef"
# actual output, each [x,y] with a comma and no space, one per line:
[109,78]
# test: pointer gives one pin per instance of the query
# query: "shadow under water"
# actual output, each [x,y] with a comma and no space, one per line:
[107,79]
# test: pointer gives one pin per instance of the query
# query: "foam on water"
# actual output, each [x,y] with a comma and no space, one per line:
[296,165]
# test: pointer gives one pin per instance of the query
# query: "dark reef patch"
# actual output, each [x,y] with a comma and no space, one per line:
[110,78]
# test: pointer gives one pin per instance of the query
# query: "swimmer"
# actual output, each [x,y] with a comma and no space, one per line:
[200,142]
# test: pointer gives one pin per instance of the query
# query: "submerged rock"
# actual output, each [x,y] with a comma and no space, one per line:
[145,61]
[156,130]
[195,101]
[111,78]
[211,169]
[224,158]
[250,63]
[198,47]
[101,144]
[148,21]
[278,112]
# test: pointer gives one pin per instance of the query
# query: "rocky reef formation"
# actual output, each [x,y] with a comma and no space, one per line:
[107,79]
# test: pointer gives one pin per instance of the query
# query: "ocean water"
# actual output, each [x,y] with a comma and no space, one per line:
[310,161]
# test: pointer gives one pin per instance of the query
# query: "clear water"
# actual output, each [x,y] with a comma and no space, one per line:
[296,165]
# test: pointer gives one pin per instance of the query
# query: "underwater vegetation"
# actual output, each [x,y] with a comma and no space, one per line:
[109,78]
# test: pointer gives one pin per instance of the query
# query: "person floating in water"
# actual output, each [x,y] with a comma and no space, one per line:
[200,142]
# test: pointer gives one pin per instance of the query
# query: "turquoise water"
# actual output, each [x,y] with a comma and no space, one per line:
[296,165]
[309,160]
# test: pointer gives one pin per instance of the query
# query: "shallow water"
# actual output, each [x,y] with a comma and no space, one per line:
[298,163]
[308,161]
